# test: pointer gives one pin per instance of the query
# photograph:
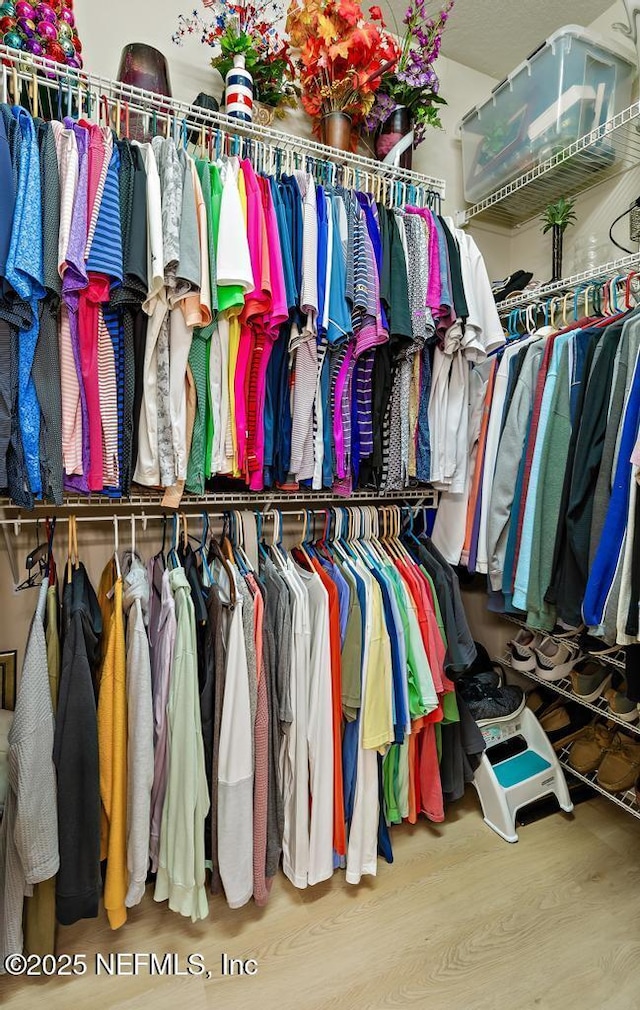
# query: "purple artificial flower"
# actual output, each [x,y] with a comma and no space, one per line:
[383,107]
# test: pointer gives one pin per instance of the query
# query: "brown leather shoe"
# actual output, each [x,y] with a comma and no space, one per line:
[621,764]
[588,750]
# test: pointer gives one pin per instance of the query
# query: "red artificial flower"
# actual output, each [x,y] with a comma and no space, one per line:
[350,11]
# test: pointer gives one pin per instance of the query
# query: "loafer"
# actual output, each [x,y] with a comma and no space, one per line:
[589,748]
[620,706]
[555,660]
[589,679]
[621,764]
[522,650]
[536,702]
[563,723]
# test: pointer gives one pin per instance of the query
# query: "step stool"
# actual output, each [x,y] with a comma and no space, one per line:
[507,786]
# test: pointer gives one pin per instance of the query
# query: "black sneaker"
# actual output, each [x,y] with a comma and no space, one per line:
[488,701]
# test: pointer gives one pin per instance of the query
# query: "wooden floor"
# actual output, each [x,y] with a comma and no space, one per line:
[460,921]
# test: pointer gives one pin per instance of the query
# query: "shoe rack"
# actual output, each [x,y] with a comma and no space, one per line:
[626,800]
[599,706]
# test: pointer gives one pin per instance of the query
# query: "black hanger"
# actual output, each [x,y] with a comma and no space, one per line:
[36,563]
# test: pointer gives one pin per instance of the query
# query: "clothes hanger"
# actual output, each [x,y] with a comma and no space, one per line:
[172,557]
[216,553]
[116,551]
[320,545]
[262,550]
[277,551]
[50,526]
[36,563]
[240,543]
[202,550]
[337,544]
[301,548]
[627,288]
[73,562]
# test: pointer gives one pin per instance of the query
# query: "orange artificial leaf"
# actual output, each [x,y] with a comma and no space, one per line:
[326,29]
[339,49]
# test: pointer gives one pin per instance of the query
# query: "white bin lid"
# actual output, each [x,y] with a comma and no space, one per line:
[567,31]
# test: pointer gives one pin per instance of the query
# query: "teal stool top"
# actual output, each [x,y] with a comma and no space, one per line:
[520,768]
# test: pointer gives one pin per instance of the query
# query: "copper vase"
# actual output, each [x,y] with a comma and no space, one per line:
[336,130]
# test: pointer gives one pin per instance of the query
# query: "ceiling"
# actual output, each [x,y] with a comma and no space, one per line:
[494,36]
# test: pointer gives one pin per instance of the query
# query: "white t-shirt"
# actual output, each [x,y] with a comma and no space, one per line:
[319,730]
[233,259]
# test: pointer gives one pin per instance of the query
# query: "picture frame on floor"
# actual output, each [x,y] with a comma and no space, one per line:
[8,666]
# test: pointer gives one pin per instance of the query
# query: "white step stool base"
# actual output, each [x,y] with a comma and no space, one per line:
[514,783]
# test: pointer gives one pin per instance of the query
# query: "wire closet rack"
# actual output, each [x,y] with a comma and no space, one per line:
[610,149]
[141,499]
[67,88]
[618,269]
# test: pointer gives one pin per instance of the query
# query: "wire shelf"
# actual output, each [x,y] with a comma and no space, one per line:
[617,660]
[619,267]
[563,688]
[607,151]
[425,496]
[626,800]
[26,69]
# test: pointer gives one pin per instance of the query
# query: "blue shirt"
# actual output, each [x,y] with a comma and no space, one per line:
[24,270]
[105,255]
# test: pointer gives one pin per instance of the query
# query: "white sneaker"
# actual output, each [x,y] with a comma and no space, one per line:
[522,650]
[555,660]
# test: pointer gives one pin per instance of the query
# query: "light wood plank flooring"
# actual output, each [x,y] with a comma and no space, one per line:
[460,921]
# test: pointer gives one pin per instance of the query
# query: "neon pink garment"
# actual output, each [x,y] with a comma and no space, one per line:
[265,341]
[91,297]
[255,304]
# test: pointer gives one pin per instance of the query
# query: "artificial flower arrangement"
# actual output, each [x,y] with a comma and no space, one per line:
[412,83]
[247,29]
[342,57]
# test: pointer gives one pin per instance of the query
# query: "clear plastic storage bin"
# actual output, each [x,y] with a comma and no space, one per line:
[568,87]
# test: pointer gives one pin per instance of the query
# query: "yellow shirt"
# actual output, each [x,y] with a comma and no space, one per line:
[377,703]
[112,749]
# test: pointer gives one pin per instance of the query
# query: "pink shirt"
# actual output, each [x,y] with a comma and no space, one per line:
[256,304]
[96,292]
[272,323]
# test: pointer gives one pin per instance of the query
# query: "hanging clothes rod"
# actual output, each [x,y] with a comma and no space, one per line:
[232,499]
[92,90]
[618,268]
[18,522]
